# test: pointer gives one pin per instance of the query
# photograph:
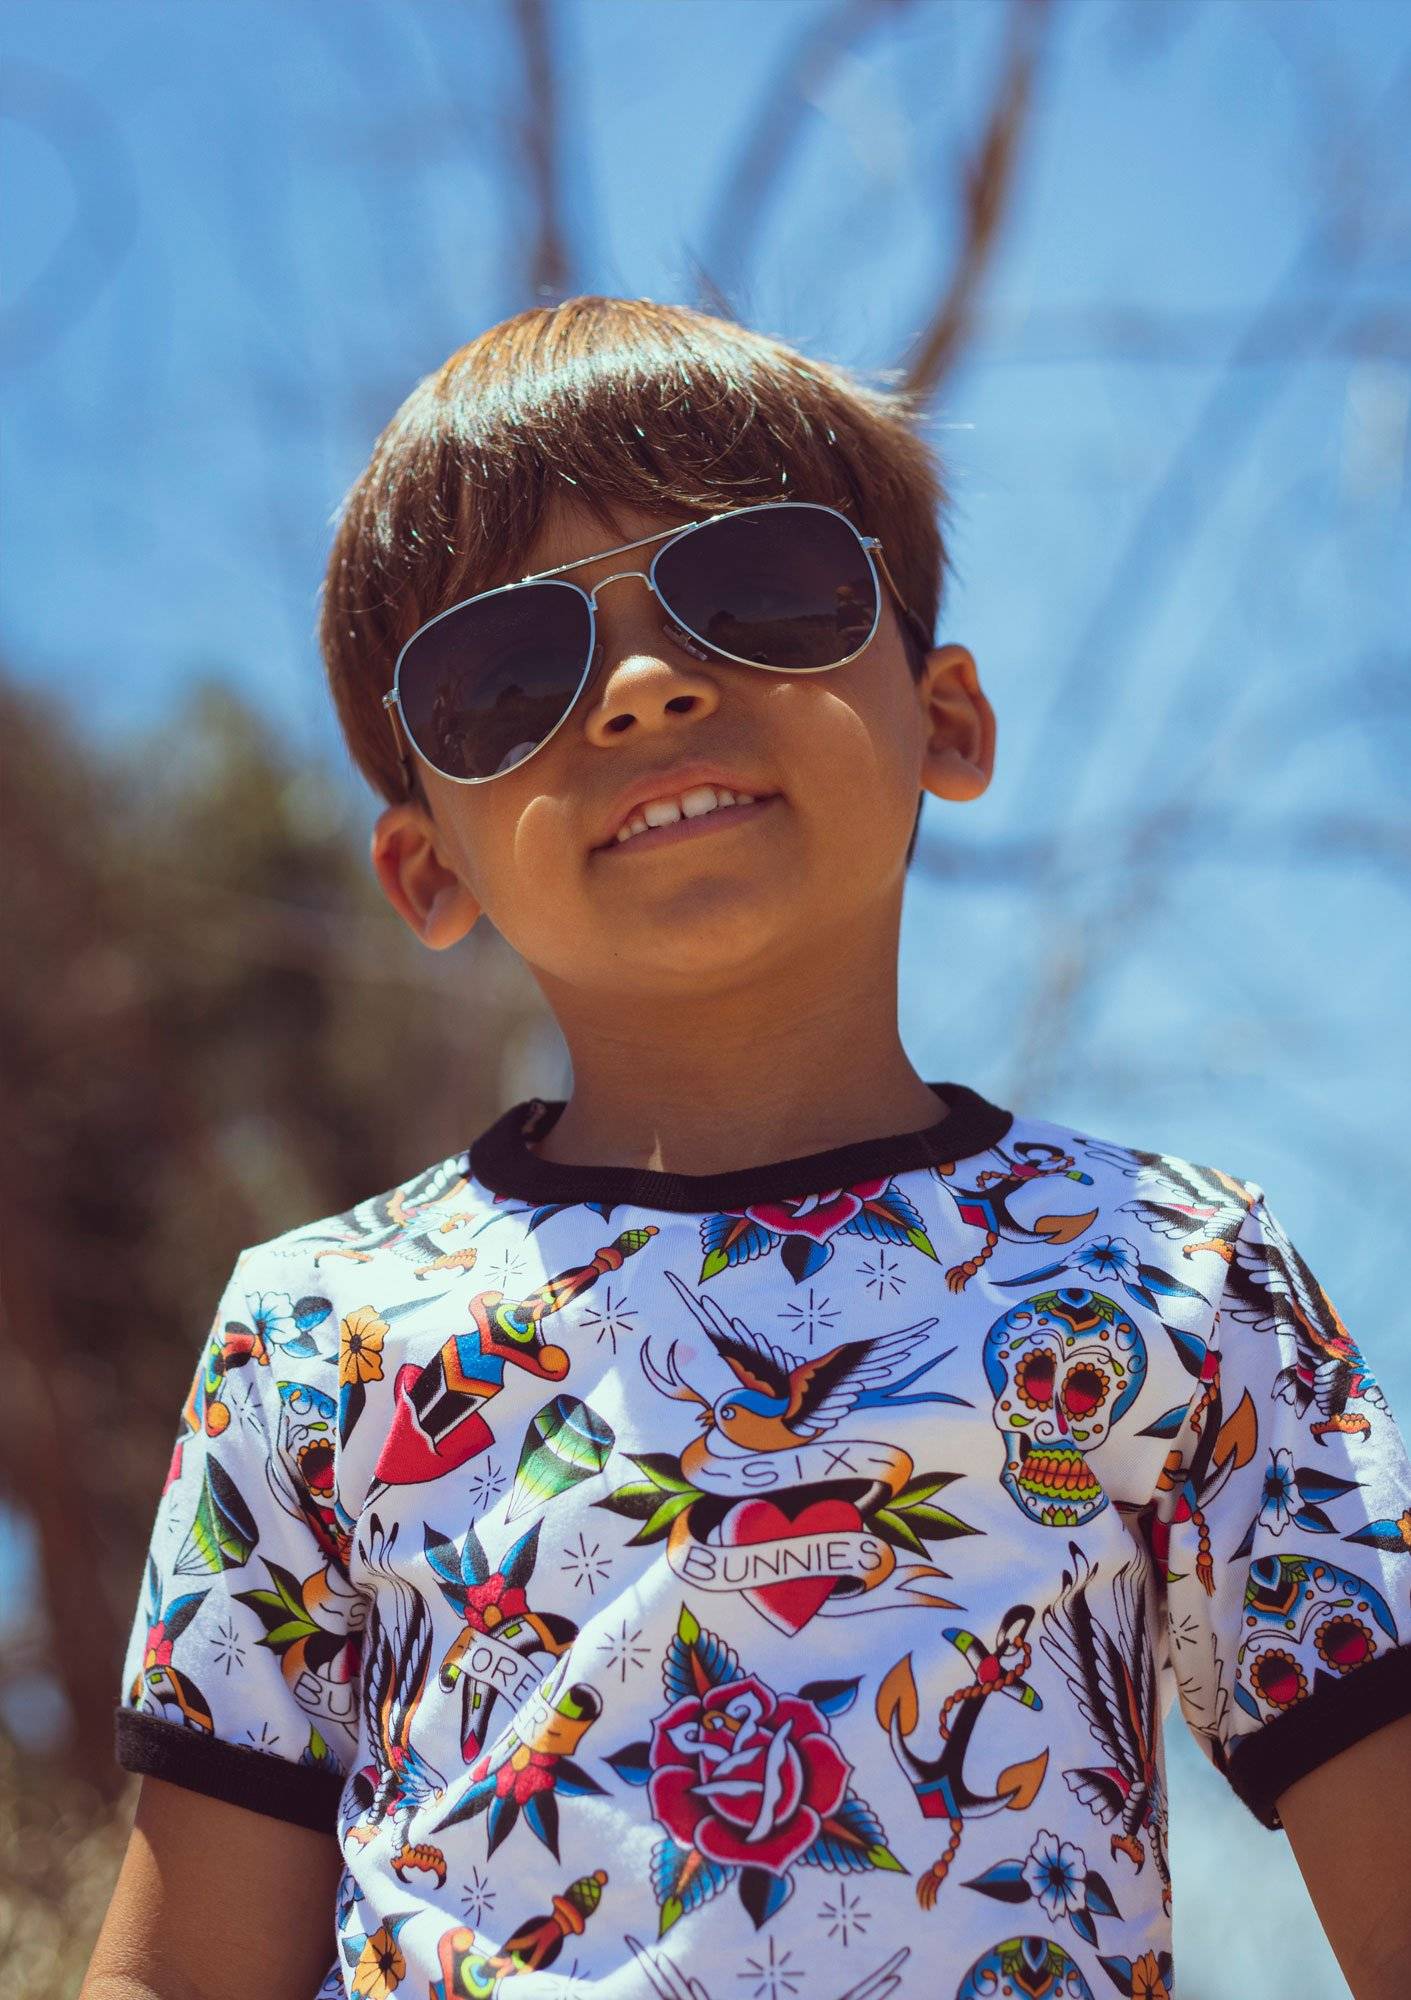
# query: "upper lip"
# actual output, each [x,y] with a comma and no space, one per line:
[670,785]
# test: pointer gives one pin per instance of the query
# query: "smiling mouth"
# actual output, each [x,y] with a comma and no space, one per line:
[717,820]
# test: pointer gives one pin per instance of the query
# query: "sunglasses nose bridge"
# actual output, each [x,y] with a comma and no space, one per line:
[672,627]
[682,638]
[616,577]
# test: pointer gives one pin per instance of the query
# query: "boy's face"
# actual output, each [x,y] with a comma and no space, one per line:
[834,761]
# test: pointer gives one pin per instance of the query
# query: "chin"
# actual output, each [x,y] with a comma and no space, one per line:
[708,932]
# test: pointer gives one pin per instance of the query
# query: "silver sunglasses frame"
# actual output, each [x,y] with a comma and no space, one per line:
[871,547]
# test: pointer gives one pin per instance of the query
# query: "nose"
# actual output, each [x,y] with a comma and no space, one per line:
[644,692]
[645,685]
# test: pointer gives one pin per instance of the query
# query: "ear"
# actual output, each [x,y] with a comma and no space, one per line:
[430,898]
[958,760]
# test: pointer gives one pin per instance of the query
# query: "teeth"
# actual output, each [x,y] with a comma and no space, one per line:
[700,799]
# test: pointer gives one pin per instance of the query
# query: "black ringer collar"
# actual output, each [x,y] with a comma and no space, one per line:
[502,1160]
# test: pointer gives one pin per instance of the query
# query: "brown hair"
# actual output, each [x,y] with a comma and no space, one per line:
[657,406]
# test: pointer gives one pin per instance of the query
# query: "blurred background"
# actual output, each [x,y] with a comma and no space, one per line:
[1150,261]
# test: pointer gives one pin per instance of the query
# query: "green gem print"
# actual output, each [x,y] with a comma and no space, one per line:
[565,1443]
[223,1534]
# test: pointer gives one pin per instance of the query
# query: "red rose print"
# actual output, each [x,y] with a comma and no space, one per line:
[745,1775]
[520,1776]
[493,1603]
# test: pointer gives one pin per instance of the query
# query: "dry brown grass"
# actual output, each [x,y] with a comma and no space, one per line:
[61,1845]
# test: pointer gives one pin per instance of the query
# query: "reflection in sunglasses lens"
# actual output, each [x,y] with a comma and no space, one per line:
[784,587]
[485,685]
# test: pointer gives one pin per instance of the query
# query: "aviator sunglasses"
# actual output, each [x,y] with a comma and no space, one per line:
[788,585]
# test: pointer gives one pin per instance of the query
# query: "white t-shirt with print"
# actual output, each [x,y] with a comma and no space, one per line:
[769,1584]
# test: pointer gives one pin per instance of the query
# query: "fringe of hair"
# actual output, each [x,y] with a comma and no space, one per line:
[607,401]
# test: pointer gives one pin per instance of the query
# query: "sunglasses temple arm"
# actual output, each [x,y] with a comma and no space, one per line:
[403,748]
[912,617]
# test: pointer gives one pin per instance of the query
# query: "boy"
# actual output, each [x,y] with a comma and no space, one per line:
[726,1534]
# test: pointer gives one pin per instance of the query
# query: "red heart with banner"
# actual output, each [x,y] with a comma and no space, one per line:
[788,1606]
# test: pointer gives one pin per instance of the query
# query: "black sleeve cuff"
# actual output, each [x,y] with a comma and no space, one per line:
[1265,1763]
[255,1779]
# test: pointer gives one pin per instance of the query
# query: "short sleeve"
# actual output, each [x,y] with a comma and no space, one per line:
[1286,1512]
[240,1677]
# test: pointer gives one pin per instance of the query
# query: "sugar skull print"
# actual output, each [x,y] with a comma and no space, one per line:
[301,1471]
[1307,1624]
[1033,1966]
[1063,1367]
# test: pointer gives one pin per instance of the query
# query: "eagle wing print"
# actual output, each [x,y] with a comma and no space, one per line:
[751,1357]
[1113,1676]
[1272,1289]
[395,1677]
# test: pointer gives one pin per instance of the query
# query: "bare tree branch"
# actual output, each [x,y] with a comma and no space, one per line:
[1205,460]
[988,185]
[98,165]
[754,180]
[547,264]
[1045,334]
[1065,734]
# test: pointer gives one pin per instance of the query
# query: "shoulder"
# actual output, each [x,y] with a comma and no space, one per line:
[290,1298]
[1155,1232]
[431,1210]
[1156,1194]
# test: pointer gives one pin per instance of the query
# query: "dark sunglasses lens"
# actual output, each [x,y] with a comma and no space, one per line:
[784,586]
[484,685]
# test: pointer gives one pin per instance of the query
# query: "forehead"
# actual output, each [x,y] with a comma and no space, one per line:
[570,531]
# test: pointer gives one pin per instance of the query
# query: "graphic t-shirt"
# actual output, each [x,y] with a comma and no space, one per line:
[767,1584]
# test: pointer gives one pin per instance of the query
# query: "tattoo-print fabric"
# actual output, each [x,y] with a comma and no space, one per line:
[770,1584]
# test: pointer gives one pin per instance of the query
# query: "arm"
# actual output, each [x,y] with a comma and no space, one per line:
[237,1688]
[214,1902]
[1290,1511]
[1349,1824]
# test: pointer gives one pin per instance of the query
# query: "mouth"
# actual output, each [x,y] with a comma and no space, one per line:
[698,819]
[1058,1480]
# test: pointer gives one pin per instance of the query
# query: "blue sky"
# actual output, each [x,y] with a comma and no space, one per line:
[246,231]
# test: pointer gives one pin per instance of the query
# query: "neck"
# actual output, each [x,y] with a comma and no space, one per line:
[792,1061]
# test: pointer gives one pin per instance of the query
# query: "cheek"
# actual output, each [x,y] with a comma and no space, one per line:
[852,746]
[517,856]
[532,874]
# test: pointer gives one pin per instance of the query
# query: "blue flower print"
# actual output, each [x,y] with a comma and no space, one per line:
[1276,1511]
[1110,1257]
[1055,1871]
